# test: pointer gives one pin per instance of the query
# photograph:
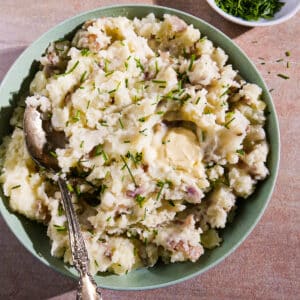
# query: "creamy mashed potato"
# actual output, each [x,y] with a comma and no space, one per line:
[163,137]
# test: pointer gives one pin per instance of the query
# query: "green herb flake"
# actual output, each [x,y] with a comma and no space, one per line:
[108,219]
[60,228]
[240,152]
[156,68]
[161,185]
[88,104]
[85,52]
[139,64]
[191,62]
[70,188]
[142,119]
[121,123]
[109,73]
[140,200]
[159,81]
[126,83]
[76,117]
[226,125]
[160,112]
[128,169]
[251,10]
[82,78]
[279,60]
[16,187]
[52,153]
[60,210]
[283,76]
[287,53]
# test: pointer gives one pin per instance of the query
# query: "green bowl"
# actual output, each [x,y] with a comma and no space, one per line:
[33,236]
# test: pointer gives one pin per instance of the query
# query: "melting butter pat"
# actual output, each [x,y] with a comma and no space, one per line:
[182,148]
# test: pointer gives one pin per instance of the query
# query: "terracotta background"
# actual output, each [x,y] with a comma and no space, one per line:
[267,265]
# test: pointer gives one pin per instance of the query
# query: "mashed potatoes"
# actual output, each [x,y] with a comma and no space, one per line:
[163,137]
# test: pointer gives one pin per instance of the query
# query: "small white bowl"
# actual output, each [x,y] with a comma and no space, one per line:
[290,8]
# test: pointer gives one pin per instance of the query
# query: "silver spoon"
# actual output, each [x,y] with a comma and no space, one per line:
[40,143]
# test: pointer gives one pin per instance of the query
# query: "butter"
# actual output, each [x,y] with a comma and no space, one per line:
[182,148]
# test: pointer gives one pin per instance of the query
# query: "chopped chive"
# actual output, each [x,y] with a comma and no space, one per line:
[139,64]
[114,90]
[271,90]
[70,188]
[60,210]
[96,263]
[203,135]
[88,104]
[140,200]
[226,125]
[16,187]
[85,52]
[287,64]
[159,81]
[143,131]
[287,53]
[126,65]
[126,142]
[122,43]
[143,119]
[52,153]
[108,219]
[60,228]
[162,86]
[121,123]
[104,155]
[279,60]
[81,144]
[82,78]
[126,82]
[160,112]
[106,62]
[161,185]
[191,62]
[197,100]
[128,169]
[240,151]
[156,68]
[109,73]
[283,76]
[76,118]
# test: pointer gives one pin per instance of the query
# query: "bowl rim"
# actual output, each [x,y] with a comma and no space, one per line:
[240,21]
[276,146]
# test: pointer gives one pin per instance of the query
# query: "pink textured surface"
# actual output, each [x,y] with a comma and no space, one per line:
[267,265]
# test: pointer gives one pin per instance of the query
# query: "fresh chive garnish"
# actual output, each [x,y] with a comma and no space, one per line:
[156,68]
[60,210]
[16,187]
[160,112]
[126,82]
[197,100]
[82,78]
[109,73]
[143,119]
[70,188]
[88,104]
[226,125]
[85,52]
[52,153]
[106,62]
[108,219]
[139,64]
[70,71]
[81,144]
[143,131]
[121,123]
[128,169]
[114,90]
[240,151]
[140,200]
[191,62]
[76,118]
[60,228]
[159,81]
[283,76]
[287,64]
[161,185]
[126,142]
[287,53]
[279,60]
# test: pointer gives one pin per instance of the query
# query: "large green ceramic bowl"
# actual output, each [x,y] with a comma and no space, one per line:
[33,236]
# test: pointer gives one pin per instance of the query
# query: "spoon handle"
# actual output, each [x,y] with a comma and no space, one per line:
[87,289]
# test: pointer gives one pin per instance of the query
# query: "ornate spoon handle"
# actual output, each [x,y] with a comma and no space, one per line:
[87,288]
